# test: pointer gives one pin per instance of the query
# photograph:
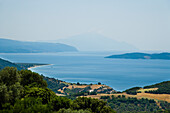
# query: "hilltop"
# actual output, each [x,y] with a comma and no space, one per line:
[14,46]
[164,56]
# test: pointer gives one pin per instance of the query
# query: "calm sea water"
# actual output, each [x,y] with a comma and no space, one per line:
[85,67]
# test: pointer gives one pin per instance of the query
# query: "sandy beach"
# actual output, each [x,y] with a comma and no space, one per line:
[38,66]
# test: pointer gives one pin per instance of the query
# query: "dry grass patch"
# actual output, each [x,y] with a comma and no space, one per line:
[149,89]
[163,97]
[60,94]
[61,91]
[76,86]
[156,97]
[96,86]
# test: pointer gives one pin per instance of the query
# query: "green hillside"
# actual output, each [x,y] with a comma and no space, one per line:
[123,104]
[26,92]
[163,88]
[5,63]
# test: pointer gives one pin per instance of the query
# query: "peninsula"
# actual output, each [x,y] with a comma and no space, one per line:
[137,55]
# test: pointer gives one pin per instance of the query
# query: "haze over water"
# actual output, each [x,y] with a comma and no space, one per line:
[92,67]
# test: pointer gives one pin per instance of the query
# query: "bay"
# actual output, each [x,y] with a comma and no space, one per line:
[92,67]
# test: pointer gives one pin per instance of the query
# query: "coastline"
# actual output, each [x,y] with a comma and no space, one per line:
[99,88]
[38,65]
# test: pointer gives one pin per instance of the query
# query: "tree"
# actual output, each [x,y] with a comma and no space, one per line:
[78,83]
[10,88]
[60,102]
[31,105]
[44,93]
[28,77]
[9,76]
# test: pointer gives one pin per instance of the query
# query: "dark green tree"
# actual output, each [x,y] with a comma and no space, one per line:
[10,88]
[28,77]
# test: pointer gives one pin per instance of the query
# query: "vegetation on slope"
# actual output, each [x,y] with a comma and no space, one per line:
[4,63]
[72,90]
[55,84]
[132,91]
[163,88]
[121,104]
[25,91]
[159,88]
[118,103]
[19,66]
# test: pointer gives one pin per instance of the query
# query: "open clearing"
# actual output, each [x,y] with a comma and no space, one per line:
[149,89]
[156,97]
[92,87]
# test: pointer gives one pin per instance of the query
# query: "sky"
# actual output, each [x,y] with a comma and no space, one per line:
[142,23]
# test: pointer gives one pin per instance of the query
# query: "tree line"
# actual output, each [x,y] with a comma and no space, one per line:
[121,104]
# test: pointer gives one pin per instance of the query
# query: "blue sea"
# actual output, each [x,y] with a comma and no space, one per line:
[92,67]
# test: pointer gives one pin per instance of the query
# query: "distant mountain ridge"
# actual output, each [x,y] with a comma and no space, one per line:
[13,46]
[96,42]
[165,56]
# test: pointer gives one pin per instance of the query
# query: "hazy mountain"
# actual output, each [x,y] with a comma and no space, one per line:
[13,46]
[96,42]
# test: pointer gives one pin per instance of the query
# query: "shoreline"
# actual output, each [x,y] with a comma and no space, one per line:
[38,65]
[110,90]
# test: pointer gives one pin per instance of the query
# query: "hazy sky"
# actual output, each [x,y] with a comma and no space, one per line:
[143,23]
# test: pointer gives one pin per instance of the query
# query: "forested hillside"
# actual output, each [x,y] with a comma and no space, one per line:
[19,66]
[5,63]
[26,92]
[163,88]
[54,84]
[122,104]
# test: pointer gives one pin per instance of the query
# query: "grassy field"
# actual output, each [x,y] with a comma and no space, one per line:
[156,97]
[149,89]
[92,87]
